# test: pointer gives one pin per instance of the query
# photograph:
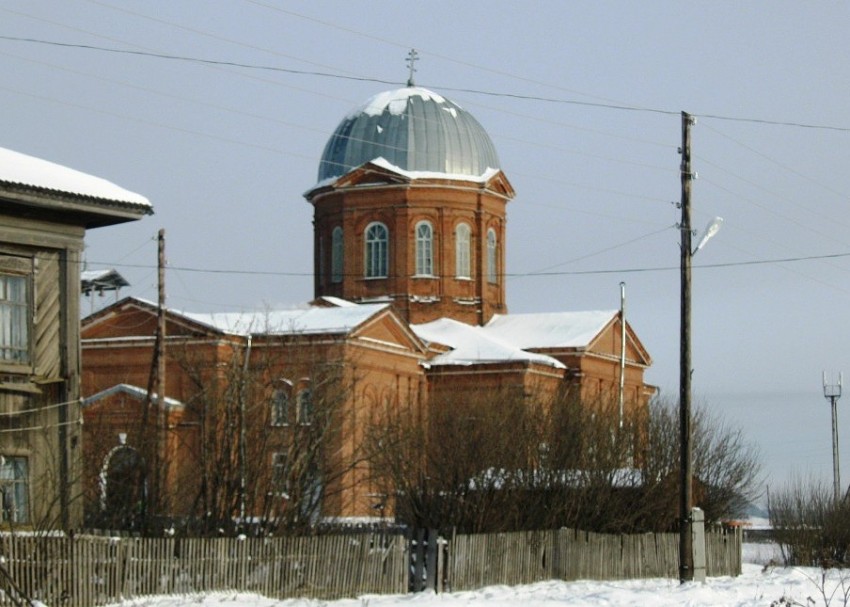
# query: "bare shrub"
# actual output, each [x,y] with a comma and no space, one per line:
[810,526]
[489,462]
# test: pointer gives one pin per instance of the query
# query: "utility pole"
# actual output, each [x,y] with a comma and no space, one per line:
[162,412]
[622,390]
[832,392]
[686,565]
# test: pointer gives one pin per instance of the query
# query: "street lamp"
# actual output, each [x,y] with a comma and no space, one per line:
[686,557]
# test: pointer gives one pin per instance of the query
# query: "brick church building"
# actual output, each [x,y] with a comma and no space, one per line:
[409,304]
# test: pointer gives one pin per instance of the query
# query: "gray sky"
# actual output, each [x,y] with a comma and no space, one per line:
[225,153]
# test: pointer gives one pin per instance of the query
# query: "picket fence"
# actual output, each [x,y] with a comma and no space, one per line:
[87,570]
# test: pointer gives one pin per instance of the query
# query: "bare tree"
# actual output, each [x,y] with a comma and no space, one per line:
[259,441]
[271,445]
[726,467]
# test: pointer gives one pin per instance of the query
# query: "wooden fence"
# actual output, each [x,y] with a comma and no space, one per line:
[84,571]
[475,561]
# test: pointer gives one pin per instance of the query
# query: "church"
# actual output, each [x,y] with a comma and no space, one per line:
[410,210]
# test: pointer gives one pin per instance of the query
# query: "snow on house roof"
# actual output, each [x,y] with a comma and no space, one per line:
[549,329]
[101,280]
[308,320]
[471,345]
[25,170]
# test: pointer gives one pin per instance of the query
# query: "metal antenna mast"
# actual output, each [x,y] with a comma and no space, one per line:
[832,392]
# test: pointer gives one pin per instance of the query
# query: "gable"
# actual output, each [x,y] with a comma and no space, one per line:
[370,173]
[386,329]
[608,343]
[131,318]
[499,183]
[128,393]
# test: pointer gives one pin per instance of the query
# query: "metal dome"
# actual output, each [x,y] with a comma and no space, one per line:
[414,129]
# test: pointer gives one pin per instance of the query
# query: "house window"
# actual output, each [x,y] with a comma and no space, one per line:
[14,487]
[424,249]
[336,255]
[14,319]
[492,268]
[377,250]
[280,483]
[462,251]
[280,408]
[305,406]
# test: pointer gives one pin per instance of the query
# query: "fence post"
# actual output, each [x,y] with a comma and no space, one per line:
[432,546]
[698,543]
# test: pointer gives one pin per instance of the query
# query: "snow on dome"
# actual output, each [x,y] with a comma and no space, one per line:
[395,101]
[414,129]
[21,169]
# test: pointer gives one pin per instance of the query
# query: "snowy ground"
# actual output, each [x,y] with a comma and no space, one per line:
[759,585]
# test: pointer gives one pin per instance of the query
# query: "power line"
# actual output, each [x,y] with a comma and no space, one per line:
[273,68]
[200,60]
[730,264]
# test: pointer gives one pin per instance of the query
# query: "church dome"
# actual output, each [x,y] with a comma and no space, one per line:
[416,130]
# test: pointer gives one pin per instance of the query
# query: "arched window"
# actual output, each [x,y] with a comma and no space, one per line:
[279,414]
[305,406]
[424,249]
[492,257]
[336,255]
[463,262]
[377,250]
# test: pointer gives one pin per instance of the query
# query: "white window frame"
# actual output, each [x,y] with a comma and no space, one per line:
[279,408]
[424,249]
[305,406]
[14,484]
[280,472]
[463,251]
[376,250]
[15,319]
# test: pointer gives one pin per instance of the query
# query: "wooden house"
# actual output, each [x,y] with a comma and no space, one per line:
[45,210]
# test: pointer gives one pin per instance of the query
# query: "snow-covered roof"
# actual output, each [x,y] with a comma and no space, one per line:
[471,345]
[549,329]
[484,177]
[308,320]
[102,280]
[383,163]
[620,478]
[131,390]
[25,170]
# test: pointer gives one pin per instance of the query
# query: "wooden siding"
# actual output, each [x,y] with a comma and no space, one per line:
[47,299]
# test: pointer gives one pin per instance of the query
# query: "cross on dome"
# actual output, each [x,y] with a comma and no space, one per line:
[412,57]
